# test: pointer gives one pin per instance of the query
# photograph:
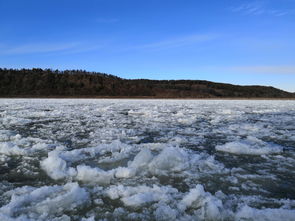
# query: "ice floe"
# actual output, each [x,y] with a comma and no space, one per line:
[29,203]
[250,146]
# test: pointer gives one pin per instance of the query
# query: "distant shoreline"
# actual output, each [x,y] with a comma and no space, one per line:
[39,83]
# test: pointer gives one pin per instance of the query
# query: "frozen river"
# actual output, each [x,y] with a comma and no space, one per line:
[66,159]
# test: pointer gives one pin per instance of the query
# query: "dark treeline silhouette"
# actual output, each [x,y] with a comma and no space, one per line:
[78,83]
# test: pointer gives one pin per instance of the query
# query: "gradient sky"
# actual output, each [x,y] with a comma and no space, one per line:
[235,41]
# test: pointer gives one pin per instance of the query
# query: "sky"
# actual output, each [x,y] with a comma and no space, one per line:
[233,41]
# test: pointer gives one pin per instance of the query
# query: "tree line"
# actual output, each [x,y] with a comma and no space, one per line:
[38,82]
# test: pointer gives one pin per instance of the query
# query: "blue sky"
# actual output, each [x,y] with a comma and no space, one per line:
[235,41]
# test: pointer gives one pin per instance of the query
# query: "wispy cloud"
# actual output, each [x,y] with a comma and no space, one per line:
[177,42]
[257,8]
[107,20]
[42,48]
[37,48]
[266,69]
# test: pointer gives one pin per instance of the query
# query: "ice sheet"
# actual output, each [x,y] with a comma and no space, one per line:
[87,159]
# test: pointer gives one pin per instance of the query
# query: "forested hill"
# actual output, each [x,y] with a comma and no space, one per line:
[78,83]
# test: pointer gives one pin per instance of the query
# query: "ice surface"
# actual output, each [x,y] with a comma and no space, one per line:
[91,160]
[44,202]
[93,175]
[247,213]
[168,161]
[250,146]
